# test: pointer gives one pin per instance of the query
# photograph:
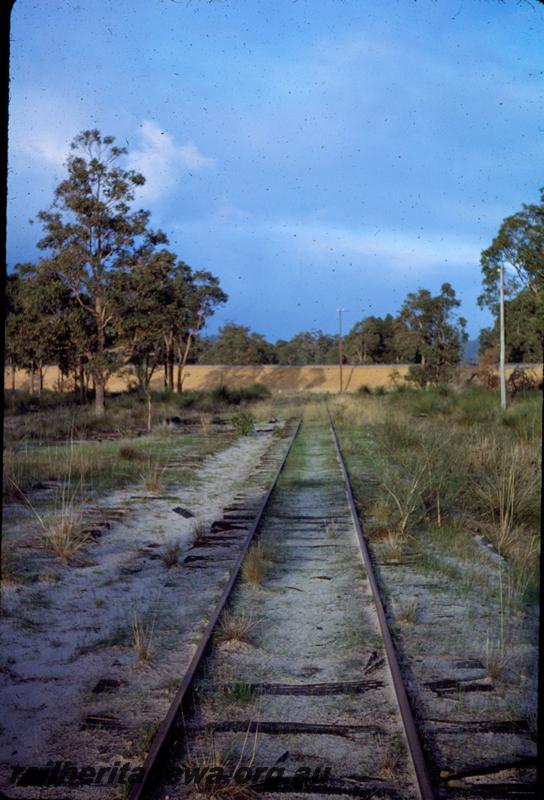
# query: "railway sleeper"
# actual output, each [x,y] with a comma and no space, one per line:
[489,769]
[284,728]
[453,685]
[446,727]
[344,687]
[497,791]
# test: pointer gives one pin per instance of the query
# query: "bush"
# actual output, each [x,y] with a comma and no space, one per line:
[21,402]
[524,417]
[244,423]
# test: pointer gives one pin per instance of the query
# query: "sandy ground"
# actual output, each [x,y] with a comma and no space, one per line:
[278,379]
[312,622]
[73,627]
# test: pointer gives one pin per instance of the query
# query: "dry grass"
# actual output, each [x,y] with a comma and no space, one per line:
[64,533]
[235,627]
[392,757]
[170,553]
[254,565]
[506,485]
[408,612]
[392,547]
[206,752]
[142,638]
[199,530]
[496,659]
[153,476]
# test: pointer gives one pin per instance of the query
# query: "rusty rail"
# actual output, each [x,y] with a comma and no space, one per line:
[160,740]
[410,731]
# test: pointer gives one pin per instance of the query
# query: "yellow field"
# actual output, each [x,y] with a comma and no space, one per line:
[278,379]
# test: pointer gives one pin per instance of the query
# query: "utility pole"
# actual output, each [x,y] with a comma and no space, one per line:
[340,354]
[502,376]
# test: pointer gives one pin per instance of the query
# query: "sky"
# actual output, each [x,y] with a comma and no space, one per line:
[313,154]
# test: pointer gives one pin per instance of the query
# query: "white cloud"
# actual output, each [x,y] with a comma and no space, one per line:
[401,250]
[162,162]
[46,147]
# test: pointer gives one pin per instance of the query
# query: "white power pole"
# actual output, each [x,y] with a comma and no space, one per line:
[502,376]
[340,353]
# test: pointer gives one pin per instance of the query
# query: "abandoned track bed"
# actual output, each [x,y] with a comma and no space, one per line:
[296,686]
[292,673]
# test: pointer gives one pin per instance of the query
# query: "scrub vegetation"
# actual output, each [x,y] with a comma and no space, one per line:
[441,459]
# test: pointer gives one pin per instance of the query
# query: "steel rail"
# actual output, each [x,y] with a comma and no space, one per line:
[160,740]
[412,737]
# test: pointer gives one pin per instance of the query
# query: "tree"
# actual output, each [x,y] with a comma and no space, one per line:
[202,298]
[12,324]
[519,244]
[236,345]
[524,331]
[519,248]
[140,298]
[91,233]
[38,326]
[371,341]
[307,347]
[430,332]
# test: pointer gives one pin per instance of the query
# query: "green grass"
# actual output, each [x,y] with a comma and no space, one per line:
[52,416]
[85,467]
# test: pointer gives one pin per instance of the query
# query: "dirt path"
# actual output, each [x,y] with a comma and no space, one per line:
[308,687]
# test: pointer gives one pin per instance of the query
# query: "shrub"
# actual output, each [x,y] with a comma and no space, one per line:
[244,423]
[128,453]
[505,486]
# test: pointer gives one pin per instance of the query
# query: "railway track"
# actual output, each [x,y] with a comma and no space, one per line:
[295,686]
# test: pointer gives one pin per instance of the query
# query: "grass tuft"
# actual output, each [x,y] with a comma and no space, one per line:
[170,553]
[254,565]
[142,638]
[235,628]
[64,534]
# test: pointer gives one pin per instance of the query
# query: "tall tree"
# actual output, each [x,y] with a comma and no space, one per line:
[91,232]
[524,331]
[519,248]
[202,296]
[13,324]
[429,329]
[38,329]
[371,341]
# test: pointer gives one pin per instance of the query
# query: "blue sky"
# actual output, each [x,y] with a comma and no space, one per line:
[311,153]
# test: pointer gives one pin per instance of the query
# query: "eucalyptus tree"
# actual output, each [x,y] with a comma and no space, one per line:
[201,295]
[91,233]
[518,251]
[237,345]
[13,322]
[429,331]
[37,328]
